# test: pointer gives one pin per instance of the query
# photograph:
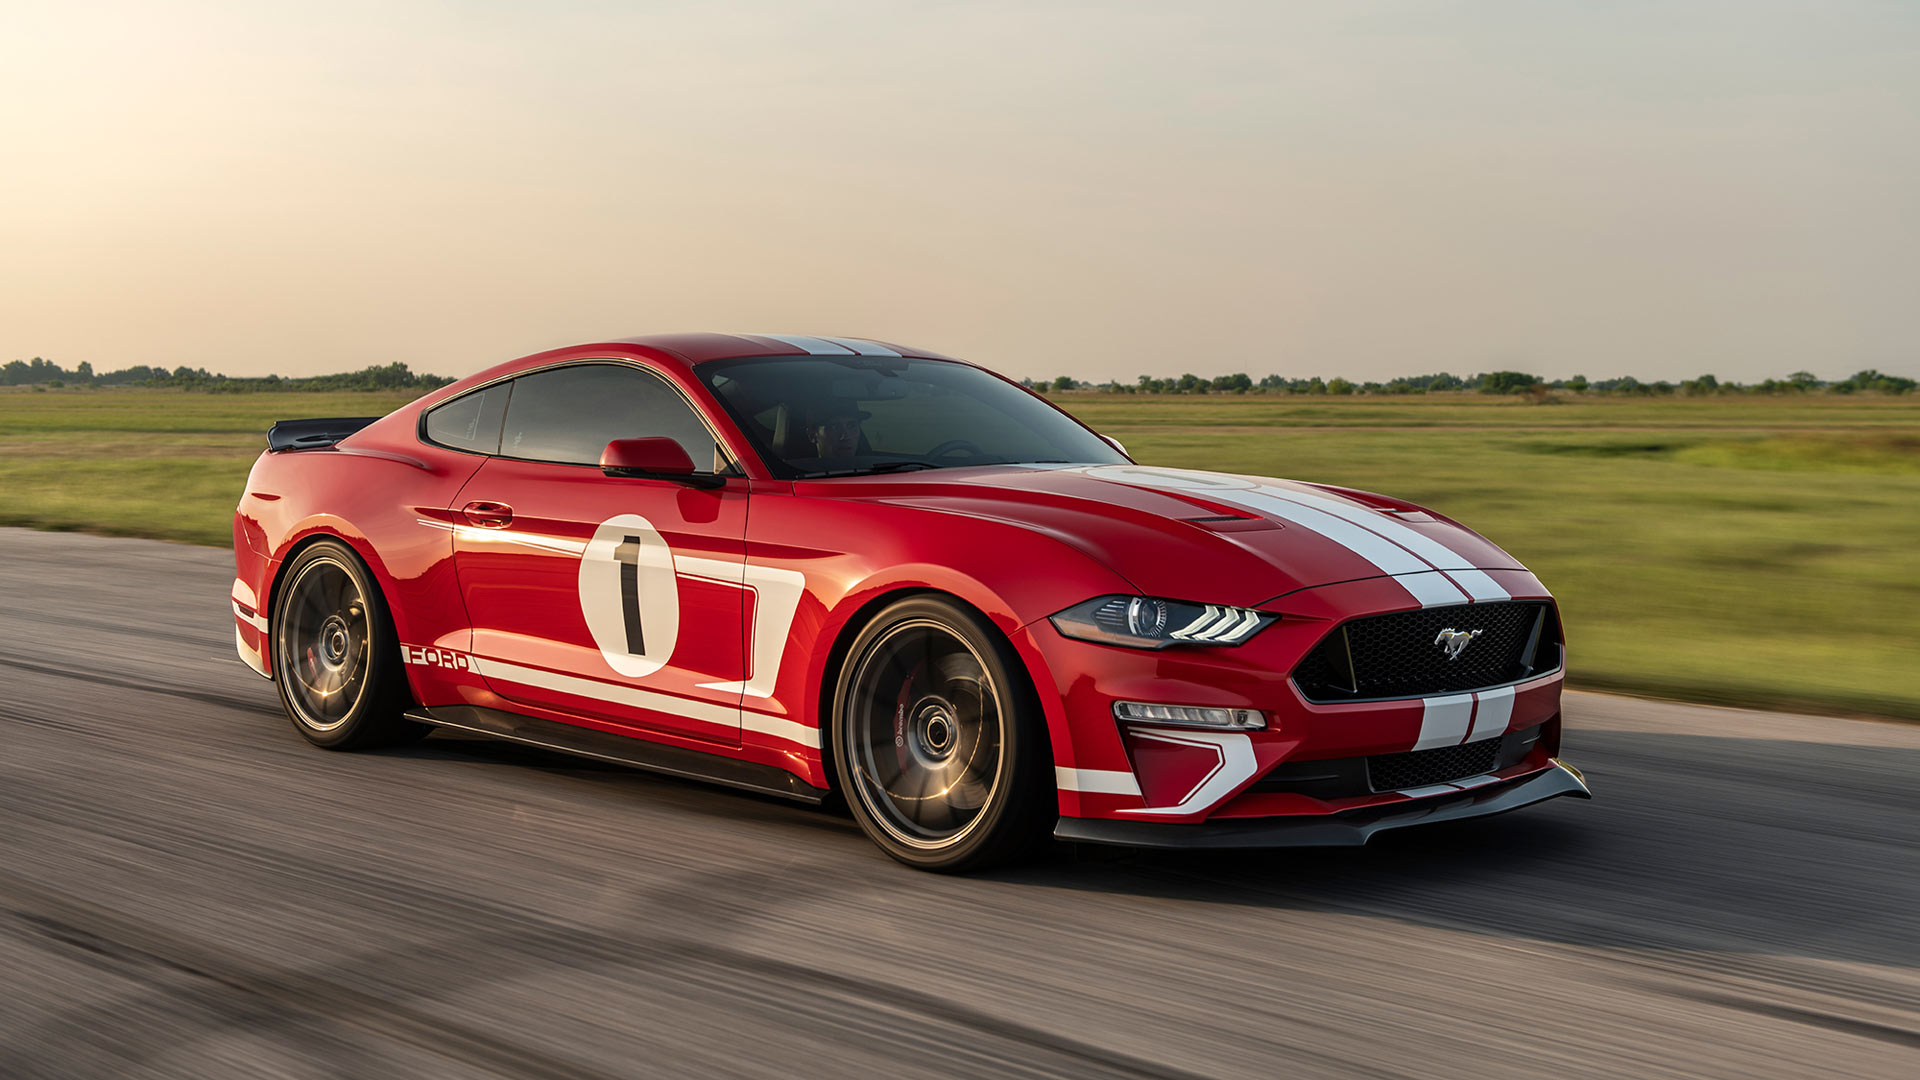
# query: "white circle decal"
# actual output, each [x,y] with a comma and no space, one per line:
[629,595]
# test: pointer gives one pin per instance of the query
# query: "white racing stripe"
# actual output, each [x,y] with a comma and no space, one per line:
[864,348]
[1444,721]
[812,345]
[1412,558]
[1095,781]
[1491,716]
[1477,584]
[243,592]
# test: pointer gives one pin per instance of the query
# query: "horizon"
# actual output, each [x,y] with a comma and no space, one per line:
[1652,190]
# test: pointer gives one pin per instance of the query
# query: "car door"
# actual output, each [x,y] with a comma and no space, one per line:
[614,601]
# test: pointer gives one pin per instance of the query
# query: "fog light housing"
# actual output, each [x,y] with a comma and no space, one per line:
[1194,716]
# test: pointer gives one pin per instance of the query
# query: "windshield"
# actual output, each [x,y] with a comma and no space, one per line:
[852,415]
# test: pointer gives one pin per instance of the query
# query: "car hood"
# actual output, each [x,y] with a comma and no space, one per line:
[1210,537]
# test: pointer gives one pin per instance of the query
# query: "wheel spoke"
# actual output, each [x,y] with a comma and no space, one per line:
[928,781]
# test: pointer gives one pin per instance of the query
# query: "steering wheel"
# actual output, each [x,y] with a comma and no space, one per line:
[953,445]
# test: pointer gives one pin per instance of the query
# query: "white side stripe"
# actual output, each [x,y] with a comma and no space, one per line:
[1495,711]
[776,597]
[811,345]
[243,592]
[1444,721]
[706,712]
[1095,781]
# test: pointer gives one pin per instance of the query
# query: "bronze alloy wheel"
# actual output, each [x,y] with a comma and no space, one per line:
[936,740]
[334,658]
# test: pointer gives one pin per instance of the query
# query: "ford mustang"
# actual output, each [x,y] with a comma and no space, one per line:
[836,568]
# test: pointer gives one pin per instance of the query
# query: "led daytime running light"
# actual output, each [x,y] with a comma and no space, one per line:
[1200,716]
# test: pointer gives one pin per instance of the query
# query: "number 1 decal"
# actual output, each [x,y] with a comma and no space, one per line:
[628,555]
[629,596]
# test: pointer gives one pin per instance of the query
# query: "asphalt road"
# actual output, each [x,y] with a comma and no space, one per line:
[187,889]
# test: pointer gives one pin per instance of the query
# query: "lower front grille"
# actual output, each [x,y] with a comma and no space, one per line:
[1346,778]
[1418,768]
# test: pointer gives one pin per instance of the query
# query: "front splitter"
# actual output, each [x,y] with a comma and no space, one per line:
[1349,829]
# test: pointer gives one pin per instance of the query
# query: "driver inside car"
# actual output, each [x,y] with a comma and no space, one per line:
[834,428]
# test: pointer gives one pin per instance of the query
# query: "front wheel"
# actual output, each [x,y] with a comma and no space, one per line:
[938,739]
[335,658]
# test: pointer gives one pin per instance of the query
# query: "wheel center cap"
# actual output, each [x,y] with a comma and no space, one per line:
[935,732]
[333,640]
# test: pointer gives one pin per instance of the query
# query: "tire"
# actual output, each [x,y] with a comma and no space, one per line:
[938,740]
[336,660]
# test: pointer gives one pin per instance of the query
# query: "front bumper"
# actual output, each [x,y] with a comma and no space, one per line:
[1350,829]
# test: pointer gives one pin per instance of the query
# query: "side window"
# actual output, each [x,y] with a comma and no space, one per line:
[570,414]
[471,421]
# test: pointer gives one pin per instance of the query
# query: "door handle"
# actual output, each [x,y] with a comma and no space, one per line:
[488,515]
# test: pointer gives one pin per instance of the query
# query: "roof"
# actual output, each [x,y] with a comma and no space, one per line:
[698,348]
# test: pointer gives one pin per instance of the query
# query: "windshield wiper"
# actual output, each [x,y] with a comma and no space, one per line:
[883,467]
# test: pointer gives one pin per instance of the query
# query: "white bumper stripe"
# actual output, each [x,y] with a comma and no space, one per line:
[255,621]
[1444,721]
[1491,716]
[247,654]
[1095,781]
[1236,765]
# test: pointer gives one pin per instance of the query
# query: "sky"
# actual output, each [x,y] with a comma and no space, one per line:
[1100,190]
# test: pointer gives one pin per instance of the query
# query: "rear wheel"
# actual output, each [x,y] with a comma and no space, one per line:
[938,741]
[335,658]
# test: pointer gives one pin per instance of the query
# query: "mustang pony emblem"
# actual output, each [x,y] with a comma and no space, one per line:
[1456,641]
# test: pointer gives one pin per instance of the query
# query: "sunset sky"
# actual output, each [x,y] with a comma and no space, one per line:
[1102,190]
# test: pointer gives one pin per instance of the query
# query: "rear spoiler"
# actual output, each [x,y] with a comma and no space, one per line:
[314,434]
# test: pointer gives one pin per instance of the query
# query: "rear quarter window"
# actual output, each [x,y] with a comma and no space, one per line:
[470,422]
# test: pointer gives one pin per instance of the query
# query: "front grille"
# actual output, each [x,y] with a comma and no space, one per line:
[1392,656]
[1418,768]
[1346,778]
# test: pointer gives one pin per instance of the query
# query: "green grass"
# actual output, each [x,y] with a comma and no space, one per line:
[1731,551]
[1740,551]
[157,463]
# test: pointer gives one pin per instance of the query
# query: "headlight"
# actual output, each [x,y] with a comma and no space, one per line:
[1144,622]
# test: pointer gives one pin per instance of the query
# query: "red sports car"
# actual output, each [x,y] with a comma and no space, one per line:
[807,566]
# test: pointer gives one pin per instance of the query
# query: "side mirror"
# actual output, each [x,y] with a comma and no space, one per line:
[1115,443]
[653,459]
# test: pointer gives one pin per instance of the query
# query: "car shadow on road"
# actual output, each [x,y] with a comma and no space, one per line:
[1691,842]
[1734,845]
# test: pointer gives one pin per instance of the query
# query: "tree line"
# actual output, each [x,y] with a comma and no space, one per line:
[40,372]
[1490,382]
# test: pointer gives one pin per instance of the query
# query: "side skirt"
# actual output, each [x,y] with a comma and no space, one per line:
[587,742]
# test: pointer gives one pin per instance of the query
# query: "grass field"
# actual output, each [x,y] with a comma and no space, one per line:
[1742,551]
